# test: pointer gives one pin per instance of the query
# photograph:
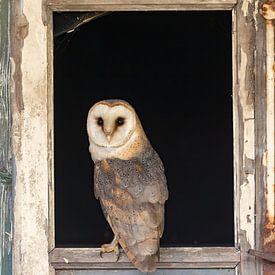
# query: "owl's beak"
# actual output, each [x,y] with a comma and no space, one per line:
[108,137]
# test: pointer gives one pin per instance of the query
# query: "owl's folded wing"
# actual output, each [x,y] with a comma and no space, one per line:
[132,195]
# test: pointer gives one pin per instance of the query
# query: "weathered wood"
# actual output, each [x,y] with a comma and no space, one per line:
[245,21]
[118,5]
[174,258]
[260,134]
[243,121]
[268,256]
[50,133]
[206,257]
[140,2]
[158,272]
[29,139]
[5,150]
[267,246]
[112,8]
[270,214]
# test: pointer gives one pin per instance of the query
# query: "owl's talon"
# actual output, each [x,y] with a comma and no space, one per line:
[158,255]
[117,252]
[110,247]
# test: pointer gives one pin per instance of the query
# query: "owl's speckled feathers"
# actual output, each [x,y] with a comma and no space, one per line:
[129,181]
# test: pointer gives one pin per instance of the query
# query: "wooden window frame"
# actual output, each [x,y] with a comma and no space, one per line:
[34,250]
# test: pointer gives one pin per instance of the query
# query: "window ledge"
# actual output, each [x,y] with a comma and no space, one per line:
[173,257]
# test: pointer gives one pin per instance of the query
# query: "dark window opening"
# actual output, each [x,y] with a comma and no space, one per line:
[175,69]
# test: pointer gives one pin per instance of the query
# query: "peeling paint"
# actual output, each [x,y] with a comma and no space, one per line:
[249,166]
[245,98]
[270,235]
[247,193]
[245,6]
[249,145]
[255,13]
[245,136]
[247,210]
[30,140]
[20,27]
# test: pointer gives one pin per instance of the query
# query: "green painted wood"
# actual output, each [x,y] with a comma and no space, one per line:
[5,152]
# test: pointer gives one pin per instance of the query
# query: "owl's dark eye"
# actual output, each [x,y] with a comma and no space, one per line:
[120,121]
[99,121]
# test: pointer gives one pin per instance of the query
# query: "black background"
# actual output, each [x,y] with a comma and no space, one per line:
[175,69]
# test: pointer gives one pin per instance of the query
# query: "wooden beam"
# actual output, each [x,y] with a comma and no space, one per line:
[267,249]
[191,257]
[249,135]
[123,5]
[29,138]
[260,135]
[270,257]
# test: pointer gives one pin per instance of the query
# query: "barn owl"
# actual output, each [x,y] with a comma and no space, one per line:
[129,181]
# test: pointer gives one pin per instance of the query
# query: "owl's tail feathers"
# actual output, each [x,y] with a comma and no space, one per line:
[147,264]
[138,254]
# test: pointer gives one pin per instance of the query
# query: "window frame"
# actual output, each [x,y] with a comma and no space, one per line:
[249,128]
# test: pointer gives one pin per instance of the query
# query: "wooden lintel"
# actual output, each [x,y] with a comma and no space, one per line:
[120,5]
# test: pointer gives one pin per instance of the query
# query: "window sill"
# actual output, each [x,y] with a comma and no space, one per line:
[173,257]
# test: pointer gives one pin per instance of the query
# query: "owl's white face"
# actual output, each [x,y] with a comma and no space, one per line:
[110,125]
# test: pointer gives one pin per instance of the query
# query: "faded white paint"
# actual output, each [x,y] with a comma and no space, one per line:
[245,6]
[247,217]
[247,186]
[30,240]
[247,200]
[270,121]
[255,14]
[248,110]
[244,134]
[249,140]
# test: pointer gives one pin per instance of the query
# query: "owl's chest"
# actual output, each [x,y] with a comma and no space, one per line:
[118,180]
